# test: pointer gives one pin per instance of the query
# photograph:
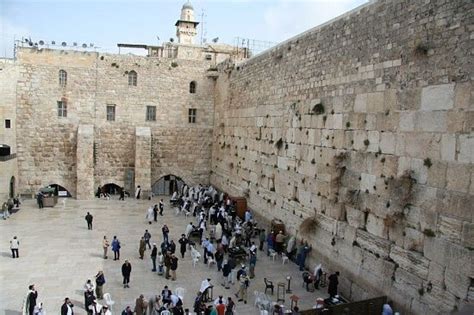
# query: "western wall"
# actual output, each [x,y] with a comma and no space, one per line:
[358,134]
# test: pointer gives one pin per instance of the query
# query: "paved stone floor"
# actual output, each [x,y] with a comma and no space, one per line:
[58,254]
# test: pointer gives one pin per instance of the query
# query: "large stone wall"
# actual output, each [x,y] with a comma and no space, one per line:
[47,146]
[386,171]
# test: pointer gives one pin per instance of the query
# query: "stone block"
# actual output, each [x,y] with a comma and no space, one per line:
[374,244]
[355,217]
[407,282]
[407,121]
[387,142]
[410,261]
[458,177]
[450,228]
[462,99]
[376,226]
[457,281]
[413,240]
[467,236]
[448,147]
[367,182]
[375,102]
[437,174]
[466,148]
[437,97]
[360,103]
[431,121]
[436,273]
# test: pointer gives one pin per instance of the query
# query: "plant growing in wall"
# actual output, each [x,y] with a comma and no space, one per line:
[308,226]
[429,233]
[318,109]
[279,144]
[427,162]
[174,64]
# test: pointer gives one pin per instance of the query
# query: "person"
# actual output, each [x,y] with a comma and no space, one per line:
[30,301]
[252,263]
[226,274]
[116,248]
[218,233]
[248,216]
[14,245]
[39,310]
[88,292]
[173,266]
[318,273]
[105,246]
[220,307]
[138,192]
[89,299]
[161,206]
[167,259]
[302,254]
[6,212]
[105,310]
[95,308]
[161,260]
[154,253]
[165,231]
[127,311]
[205,286]
[189,229]
[243,285]
[140,305]
[98,192]
[89,219]
[126,270]
[155,213]
[149,215]
[39,199]
[387,308]
[122,193]
[171,247]
[261,237]
[166,295]
[279,240]
[183,242]
[229,309]
[66,308]
[99,284]
[154,305]
[147,237]
[141,247]
[333,283]
[270,242]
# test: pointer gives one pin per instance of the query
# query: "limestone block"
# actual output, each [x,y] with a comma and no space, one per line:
[410,261]
[377,270]
[457,280]
[359,137]
[437,250]
[407,282]
[375,102]
[407,121]
[467,236]
[448,147]
[360,104]
[462,98]
[355,217]
[373,137]
[437,174]
[372,243]
[466,148]
[387,142]
[431,121]
[437,97]
[432,298]
[376,226]
[413,240]
[458,177]
[367,182]
[337,121]
[436,274]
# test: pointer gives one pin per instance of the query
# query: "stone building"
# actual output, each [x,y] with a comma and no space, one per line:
[358,134]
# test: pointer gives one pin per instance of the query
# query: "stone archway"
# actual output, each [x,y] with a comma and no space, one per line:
[60,191]
[111,189]
[167,185]
[12,187]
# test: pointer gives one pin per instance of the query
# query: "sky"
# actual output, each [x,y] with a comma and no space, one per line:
[105,23]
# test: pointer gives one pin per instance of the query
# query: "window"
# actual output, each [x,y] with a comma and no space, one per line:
[208,57]
[8,123]
[132,78]
[110,112]
[192,87]
[150,113]
[62,78]
[62,109]
[192,115]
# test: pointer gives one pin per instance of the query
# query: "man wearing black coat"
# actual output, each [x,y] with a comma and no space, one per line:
[154,253]
[126,270]
[333,283]
[66,308]
[183,241]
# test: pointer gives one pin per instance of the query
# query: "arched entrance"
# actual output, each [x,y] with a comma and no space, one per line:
[167,185]
[12,187]
[60,191]
[111,189]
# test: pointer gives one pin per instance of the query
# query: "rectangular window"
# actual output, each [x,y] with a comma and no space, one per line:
[8,123]
[62,109]
[110,112]
[192,115]
[151,113]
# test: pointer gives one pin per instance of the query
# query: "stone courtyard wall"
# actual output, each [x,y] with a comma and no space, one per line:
[359,135]
[47,143]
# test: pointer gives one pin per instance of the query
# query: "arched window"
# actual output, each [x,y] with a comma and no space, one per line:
[62,78]
[192,87]
[132,78]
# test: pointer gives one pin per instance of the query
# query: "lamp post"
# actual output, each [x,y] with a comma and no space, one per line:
[288,290]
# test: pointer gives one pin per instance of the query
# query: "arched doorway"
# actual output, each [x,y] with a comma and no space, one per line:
[12,187]
[60,191]
[167,185]
[111,189]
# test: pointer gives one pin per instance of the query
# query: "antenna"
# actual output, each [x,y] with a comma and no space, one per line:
[63,44]
[41,42]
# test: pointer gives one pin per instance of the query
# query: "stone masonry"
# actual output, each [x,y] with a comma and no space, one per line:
[363,128]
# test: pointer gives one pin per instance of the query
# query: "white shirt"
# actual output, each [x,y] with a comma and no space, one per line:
[14,243]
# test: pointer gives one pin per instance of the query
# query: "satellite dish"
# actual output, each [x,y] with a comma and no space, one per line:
[84,45]
[41,42]
[215,40]
[91,45]
[30,43]
[74,44]
[171,40]
[53,42]
[63,44]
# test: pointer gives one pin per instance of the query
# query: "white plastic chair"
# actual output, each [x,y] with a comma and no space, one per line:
[257,299]
[165,312]
[263,312]
[284,259]
[273,254]
[180,292]
[108,300]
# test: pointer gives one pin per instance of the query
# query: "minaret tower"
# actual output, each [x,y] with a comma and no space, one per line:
[186,27]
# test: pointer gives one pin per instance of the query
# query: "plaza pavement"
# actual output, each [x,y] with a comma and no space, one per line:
[58,254]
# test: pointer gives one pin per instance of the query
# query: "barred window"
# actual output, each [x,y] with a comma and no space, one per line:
[192,115]
[151,113]
[110,112]
[62,78]
[62,108]
[132,78]
[192,87]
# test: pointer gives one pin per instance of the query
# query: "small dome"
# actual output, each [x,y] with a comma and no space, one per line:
[187,5]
